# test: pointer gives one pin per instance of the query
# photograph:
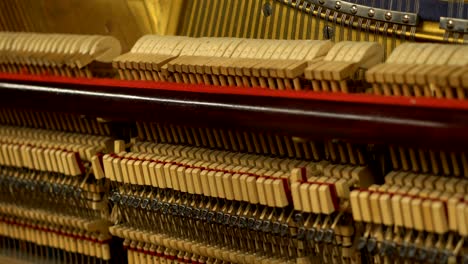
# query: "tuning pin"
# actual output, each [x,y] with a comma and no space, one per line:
[411,251]
[362,243]
[329,236]
[403,251]
[432,255]
[390,249]
[145,203]
[421,255]
[115,197]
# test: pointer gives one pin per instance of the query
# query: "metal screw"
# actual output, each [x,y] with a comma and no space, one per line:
[267,9]
[371,12]
[388,15]
[450,23]
[338,5]
[353,9]
[405,19]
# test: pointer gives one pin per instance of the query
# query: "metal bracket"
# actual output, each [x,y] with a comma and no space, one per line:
[454,24]
[384,15]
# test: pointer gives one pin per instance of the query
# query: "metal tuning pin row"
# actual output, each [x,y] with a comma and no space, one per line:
[143,247]
[387,22]
[56,54]
[210,223]
[53,193]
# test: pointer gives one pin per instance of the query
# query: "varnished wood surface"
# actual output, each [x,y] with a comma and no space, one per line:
[414,125]
[11,260]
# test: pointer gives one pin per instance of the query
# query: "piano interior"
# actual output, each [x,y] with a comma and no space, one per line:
[233,131]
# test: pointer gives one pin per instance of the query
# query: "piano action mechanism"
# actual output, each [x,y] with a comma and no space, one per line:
[176,176]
